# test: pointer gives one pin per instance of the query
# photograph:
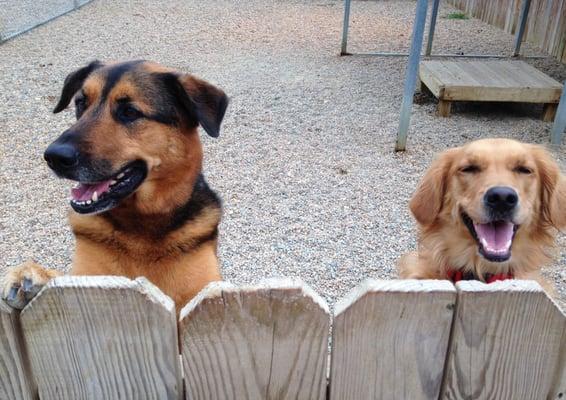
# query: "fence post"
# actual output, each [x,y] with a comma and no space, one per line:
[103,338]
[268,341]
[16,382]
[389,340]
[508,342]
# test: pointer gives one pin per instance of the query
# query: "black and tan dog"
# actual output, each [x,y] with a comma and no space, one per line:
[141,206]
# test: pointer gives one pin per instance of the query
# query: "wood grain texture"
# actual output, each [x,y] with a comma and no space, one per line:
[16,381]
[390,340]
[444,108]
[507,343]
[549,112]
[508,81]
[268,341]
[103,338]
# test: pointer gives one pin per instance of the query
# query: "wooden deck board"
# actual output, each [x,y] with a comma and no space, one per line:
[508,81]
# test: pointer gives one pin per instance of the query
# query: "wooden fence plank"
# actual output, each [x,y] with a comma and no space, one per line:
[103,338]
[16,382]
[546,23]
[390,340]
[506,342]
[268,341]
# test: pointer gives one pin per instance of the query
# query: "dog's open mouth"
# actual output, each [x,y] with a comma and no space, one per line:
[103,195]
[494,238]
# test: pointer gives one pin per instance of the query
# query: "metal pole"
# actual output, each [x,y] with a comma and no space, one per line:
[432,27]
[559,126]
[522,25]
[411,74]
[343,51]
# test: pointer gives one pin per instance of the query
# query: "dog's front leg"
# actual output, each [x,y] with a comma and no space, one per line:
[22,283]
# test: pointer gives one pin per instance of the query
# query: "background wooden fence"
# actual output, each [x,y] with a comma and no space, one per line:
[114,338]
[546,24]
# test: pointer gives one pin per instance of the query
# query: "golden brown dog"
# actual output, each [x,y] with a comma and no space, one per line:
[141,206]
[488,210]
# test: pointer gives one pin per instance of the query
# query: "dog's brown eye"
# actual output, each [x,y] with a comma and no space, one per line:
[470,169]
[128,113]
[80,106]
[521,169]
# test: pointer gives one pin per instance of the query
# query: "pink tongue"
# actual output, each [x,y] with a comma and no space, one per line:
[495,236]
[85,191]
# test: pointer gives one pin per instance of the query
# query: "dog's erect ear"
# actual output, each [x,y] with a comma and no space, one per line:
[552,190]
[201,102]
[427,200]
[73,83]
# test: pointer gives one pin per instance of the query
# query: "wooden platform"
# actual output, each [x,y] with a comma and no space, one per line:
[505,81]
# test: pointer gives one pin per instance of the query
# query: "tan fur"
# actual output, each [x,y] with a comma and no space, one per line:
[177,263]
[445,190]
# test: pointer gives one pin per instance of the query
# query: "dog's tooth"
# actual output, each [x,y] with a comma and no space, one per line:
[95,196]
[88,202]
[112,182]
[120,175]
[483,243]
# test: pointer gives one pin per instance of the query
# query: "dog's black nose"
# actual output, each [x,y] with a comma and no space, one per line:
[61,157]
[501,198]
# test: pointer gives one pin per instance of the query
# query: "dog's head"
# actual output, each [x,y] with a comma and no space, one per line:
[490,193]
[136,131]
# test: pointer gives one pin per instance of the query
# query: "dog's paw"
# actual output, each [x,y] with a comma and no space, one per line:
[22,283]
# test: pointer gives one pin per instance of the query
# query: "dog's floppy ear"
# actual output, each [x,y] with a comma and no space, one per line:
[201,102]
[427,200]
[552,190]
[73,83]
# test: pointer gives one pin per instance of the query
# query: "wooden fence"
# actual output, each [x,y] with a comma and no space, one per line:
[114,338]
[546,24]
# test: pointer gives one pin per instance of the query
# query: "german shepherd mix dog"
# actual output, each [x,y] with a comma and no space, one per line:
[141,206]
[489,211]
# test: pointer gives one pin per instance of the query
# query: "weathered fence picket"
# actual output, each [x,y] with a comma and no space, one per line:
[16,382]
[268,341]
[103,338]
[390,340]
[115,338]
[507,343]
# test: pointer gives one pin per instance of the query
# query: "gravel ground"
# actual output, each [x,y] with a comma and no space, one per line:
[305,166]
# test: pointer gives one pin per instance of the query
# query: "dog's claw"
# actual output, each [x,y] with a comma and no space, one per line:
[13,294]
[21,284]
[27,285]
[16,297]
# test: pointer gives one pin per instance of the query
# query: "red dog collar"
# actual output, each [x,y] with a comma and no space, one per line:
[459,275]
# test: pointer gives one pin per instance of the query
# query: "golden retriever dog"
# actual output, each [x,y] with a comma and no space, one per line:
[489,210]
[141,206]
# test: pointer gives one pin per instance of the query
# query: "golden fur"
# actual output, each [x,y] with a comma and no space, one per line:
[447,189]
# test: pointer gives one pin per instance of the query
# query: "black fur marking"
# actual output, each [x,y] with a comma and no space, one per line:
[73,82]
[114,75]
[207,108]
[160,225]
[179,98]
[211,109]
[203,197]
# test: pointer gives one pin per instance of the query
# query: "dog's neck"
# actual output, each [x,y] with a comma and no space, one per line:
[186,225]
[128,219]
